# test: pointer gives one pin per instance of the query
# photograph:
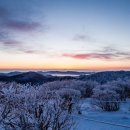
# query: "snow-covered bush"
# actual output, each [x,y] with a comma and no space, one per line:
[106,98]
[29,108]
[127,85]
[73,84]
[85,87]
[67,93]
[122,87]
[88,88]
[70,97]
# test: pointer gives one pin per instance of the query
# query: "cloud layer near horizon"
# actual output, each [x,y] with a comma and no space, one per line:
[106,53]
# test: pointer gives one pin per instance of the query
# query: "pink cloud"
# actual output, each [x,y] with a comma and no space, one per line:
[91,56]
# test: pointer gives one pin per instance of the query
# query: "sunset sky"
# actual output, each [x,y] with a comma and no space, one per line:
[65,35]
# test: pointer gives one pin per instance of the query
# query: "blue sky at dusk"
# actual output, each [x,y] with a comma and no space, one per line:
[65,34]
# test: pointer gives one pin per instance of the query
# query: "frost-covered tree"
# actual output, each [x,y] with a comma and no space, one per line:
[85,87]
[106,98]
[122,87]
[88,88]
[26,107]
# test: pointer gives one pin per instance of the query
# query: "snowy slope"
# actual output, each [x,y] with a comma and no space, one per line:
[93,118]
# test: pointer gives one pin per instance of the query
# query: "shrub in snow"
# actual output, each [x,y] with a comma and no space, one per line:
[27,108]
[85,87]
[70,84]
[70,98]
[120,87]
[106,98]
[127,83]
[89,86]
[67,93]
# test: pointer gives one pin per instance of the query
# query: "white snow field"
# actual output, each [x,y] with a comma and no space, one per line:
[92,118]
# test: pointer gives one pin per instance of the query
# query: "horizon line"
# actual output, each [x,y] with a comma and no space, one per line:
[78,70]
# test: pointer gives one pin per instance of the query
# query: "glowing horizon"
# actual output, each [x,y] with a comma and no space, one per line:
[89,35]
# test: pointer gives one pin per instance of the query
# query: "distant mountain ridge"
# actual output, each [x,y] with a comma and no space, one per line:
[48,73]
[106,76]
[43,77]
[68,72]
[11,73]
[30,77]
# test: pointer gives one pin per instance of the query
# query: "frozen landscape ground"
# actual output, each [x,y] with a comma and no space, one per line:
[93,118]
